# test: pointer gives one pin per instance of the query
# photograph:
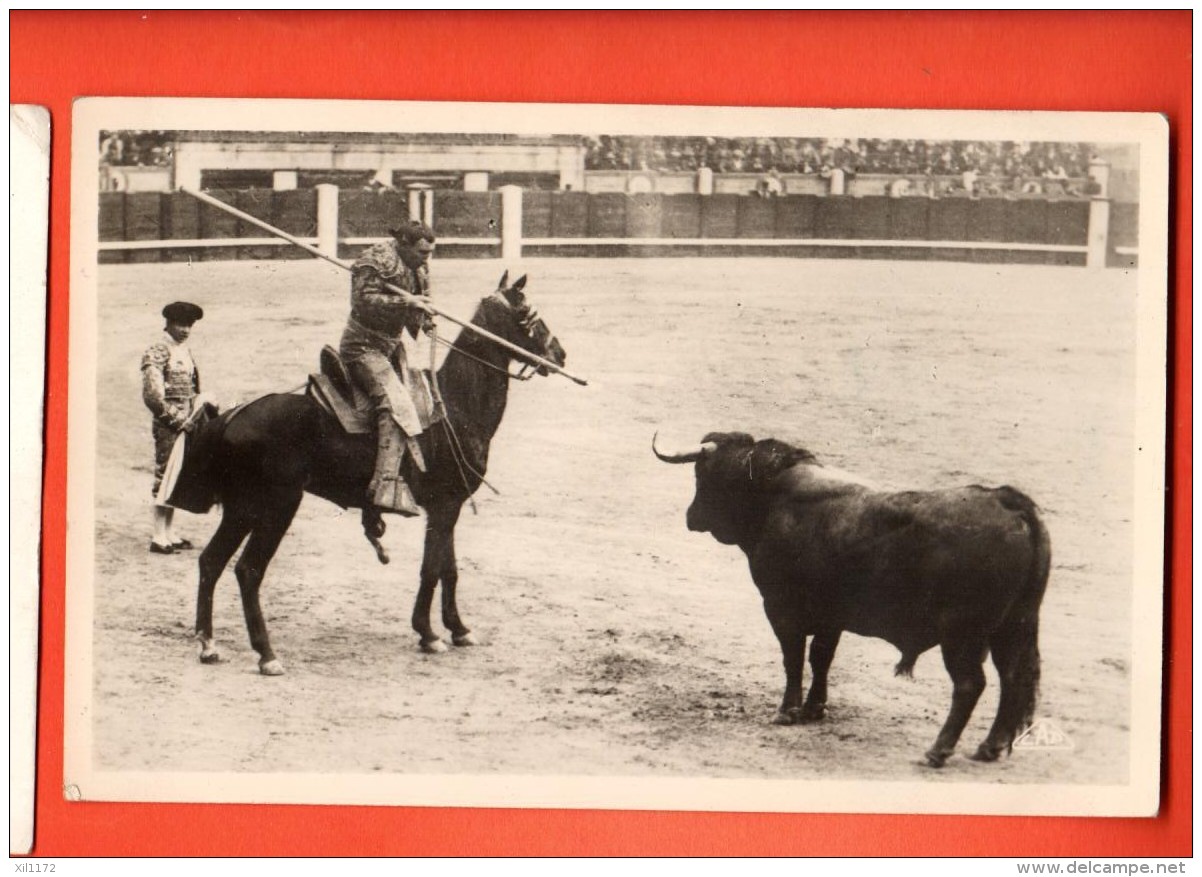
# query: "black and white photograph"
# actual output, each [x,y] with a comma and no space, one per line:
[626,457]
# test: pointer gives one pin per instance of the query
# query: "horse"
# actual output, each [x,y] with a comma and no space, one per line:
[261,461]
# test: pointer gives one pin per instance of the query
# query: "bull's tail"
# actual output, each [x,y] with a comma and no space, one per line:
[1015,645]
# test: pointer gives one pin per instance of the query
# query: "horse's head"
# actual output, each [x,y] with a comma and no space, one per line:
[510,315]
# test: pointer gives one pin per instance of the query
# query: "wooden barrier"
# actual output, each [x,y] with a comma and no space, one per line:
[795,216]
[258,203]
[511,221]
[720,216]
[607,215]
[569,214]
[216,224]
[144,222]
[293,211]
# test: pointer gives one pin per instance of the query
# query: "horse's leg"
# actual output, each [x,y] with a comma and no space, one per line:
[265,538]
[213,559]
[440,525]
[822,653]
[964,660]
[460,635]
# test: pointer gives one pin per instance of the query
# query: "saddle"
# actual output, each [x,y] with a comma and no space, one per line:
[333,389]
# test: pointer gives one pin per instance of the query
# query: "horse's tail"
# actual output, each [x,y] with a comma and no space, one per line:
[1021,626]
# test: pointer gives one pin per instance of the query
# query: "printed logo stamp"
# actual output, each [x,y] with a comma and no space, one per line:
[1044,734]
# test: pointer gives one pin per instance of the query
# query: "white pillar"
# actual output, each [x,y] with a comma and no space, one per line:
[421,204]
[384,177]
[1098,236]
[187,171]
[1099,173]
[571,169]
[1099,233]
[475,181]
[511,223]
[327,219]
[705,181]
[838,182]
[283,181]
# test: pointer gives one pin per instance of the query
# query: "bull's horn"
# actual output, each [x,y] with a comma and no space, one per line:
[687,457]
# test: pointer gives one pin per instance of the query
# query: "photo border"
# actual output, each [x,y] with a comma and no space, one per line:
[59,56]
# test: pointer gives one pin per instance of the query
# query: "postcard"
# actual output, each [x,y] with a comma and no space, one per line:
[623,457]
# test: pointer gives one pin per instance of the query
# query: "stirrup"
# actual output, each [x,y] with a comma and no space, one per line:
[394,496]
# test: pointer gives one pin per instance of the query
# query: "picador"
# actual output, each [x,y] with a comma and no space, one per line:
[384,346]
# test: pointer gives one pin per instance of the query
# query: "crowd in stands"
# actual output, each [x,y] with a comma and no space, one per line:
[135,148]
[933,167]
[793,155]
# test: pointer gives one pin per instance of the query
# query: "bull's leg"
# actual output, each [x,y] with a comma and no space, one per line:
[964,662]
[822,652]
[213,559]
[1016,656]
[790,633]
[264,539]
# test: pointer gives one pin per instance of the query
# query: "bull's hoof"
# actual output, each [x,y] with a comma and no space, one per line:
[465,639]
[271,668]
[986,753]
[791,716]
[433,647]
[936,759]
[814,713]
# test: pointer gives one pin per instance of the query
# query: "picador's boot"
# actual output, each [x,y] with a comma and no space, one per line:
[387,490]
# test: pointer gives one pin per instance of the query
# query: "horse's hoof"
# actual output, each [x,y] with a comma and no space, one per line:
[813,714]
[271,668]
[936,759]
[465,639]
[433,647]
[792,716]
[208,651]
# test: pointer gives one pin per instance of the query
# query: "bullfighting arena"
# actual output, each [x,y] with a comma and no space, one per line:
[615,642]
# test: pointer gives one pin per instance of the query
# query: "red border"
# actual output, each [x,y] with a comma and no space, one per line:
[988,60]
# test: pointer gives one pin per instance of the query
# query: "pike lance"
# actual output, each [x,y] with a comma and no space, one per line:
[412,299]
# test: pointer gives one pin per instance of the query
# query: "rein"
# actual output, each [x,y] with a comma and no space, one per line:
[457,453]
[520,376]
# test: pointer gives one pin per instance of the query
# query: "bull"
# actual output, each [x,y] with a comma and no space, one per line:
[962,569]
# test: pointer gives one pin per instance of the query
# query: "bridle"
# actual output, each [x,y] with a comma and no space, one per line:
[530,322]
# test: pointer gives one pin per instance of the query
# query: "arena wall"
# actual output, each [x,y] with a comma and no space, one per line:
[470,224]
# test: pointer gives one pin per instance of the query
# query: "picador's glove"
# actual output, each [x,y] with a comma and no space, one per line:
[419,320]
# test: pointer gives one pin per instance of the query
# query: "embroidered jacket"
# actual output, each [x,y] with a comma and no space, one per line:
[372,306]
[170,381]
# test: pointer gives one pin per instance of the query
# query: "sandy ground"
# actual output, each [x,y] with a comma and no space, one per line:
[614,641]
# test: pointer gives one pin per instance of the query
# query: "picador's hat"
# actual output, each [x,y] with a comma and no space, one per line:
[183,312]
[412,232]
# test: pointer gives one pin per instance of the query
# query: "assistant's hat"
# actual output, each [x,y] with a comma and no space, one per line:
[183,312]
